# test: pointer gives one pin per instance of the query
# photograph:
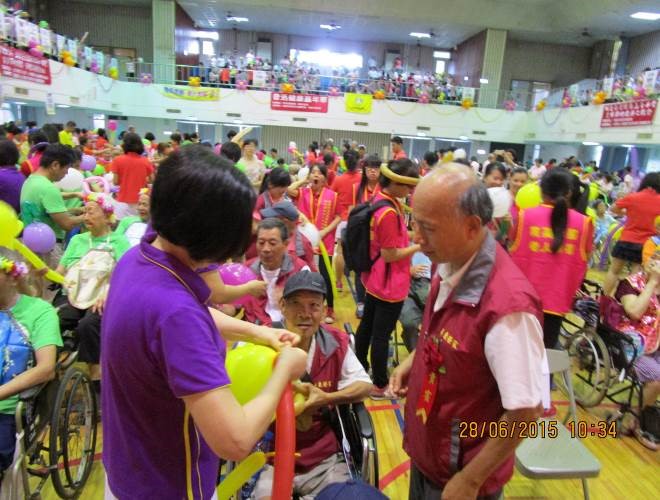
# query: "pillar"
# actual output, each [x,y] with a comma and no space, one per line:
[489,95]
[163,22]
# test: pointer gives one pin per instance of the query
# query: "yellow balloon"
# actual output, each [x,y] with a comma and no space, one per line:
[298,403]
[593,191]
[249,367]
[592,213]
[240,475]
[529,196]
[10,225]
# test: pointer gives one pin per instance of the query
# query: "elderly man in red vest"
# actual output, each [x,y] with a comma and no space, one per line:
[480,352]
[334,376]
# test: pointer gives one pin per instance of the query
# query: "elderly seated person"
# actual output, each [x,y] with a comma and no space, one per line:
[275,266]
[299,245]
[87,264]
[133,227]
[638,294]
[334,376]
[28,328]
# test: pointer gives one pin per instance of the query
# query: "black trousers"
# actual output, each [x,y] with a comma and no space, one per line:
[551,327]
[423,489]
[377,324]
[328,282]
[86,327]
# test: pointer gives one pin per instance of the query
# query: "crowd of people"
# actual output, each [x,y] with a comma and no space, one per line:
[476,289]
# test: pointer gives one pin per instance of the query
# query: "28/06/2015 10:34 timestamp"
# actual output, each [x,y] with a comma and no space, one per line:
[539,429]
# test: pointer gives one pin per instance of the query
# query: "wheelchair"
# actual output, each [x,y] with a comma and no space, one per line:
[602,358]
[56,425]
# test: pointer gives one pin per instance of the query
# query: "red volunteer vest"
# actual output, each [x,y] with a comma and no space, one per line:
[466,390]
[555,277]
[319,442]
[320,211]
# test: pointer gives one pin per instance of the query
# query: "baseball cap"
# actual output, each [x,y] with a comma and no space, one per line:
[350,490]
[304,280]
[281,209]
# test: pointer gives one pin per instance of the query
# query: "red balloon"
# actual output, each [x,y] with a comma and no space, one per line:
[285,447]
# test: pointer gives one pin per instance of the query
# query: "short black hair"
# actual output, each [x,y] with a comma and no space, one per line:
[36,137]
[231,151]
[496,165]
[202,203]
[132,143]
[231,134]
[431,158]
[51,132]
[351,160]
[59,153]
[396,139]
[8,153]
[404,167]
[328,159]
[175,137]
[278,177]
[149,136]
[70,123]
[246,142]
[651,181]
[101,133]
[274,223]
[273,150]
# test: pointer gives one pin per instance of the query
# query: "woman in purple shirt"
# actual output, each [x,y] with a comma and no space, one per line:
[168,413]
[11,179]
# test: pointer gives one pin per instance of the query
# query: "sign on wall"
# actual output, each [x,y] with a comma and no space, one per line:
[19,64]
[358,103]
[191,94]
[308,103]
[629,114]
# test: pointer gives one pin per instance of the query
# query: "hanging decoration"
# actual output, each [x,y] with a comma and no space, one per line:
[67,58]
[146,78]
[510,105]
[442,96]
[567,102]
[379,94]
[424,98]
[639,92]
[287,88]
[467,103]
[540,106]
[333,92]
[241,85]
[599,97]
[94,67]
[194,81]
[35,49]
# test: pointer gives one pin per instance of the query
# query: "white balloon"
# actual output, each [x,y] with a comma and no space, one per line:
[310,232]
[109,177]
[501,199]
[72,181]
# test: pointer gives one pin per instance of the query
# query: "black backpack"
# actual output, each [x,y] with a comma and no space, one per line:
[355,238]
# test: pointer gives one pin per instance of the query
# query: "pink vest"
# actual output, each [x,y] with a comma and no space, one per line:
[388,282]
[556,277]
[466,390]
[319,442]
[648,325]
[320,212]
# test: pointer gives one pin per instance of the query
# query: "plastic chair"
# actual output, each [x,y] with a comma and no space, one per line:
[561,457]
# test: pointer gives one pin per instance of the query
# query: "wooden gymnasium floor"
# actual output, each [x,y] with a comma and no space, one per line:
[628,470]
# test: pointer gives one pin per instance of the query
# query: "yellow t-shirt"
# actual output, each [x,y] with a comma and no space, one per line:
[66,138]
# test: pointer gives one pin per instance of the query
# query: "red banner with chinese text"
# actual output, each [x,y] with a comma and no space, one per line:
[629,114]
[19,64]
[307,103]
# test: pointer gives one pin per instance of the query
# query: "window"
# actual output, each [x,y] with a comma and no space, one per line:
[440,66]
[208,48]
[326,58]
[441,54]
[99,121]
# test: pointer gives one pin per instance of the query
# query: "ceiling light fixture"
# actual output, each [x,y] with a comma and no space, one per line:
[590,143]
[441,54]
[330,27]
[63,106]
[629,146]
[481,151]
[414,34]
[463,137]
[236,19]
[646,16]
[483,80]
[20,103]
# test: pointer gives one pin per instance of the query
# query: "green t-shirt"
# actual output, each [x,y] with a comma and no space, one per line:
[126,222]
[74,202]
[39,198]
[80,244]
[133,233]
[39,319]
[269,161]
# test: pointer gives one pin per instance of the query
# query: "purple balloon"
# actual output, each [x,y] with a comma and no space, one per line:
[39,237]
[236,274]
[88,163]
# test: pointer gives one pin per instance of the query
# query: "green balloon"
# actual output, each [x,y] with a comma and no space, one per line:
[98,170]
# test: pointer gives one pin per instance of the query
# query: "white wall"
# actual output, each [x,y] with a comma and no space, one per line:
[93,92]
[644,52]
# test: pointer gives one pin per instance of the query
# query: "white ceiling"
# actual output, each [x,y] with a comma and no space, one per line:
[452,21]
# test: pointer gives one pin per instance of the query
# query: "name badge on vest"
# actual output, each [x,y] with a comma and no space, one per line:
[434,362]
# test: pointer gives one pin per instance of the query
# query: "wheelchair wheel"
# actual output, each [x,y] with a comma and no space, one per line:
[591,366]
[72,433]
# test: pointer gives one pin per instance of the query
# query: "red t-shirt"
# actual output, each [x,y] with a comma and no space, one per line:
[343,186]
[641,210]
[400,155]
[132,172]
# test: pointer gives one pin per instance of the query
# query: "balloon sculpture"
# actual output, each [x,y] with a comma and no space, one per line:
[600,97]
[194,81]
[10,228]
[112,125]
[424,98]
[379,95]
[333,92]
[67,58]
[540,106]
[287,88]
[249,367]
[87,163]
[87,184]
[467,103]
[146,78]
